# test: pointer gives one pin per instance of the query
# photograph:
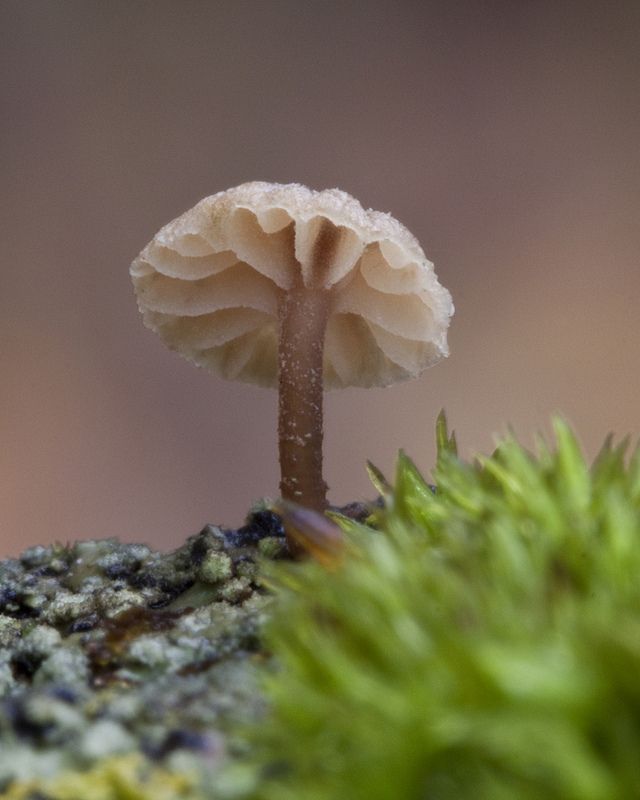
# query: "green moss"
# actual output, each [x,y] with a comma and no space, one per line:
[482,642]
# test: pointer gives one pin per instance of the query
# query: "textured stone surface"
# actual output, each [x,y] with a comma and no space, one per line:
[109,648]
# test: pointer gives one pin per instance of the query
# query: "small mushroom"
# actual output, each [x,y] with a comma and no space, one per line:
[280,285]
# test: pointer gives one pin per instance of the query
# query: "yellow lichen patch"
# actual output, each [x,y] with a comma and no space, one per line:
[119,778]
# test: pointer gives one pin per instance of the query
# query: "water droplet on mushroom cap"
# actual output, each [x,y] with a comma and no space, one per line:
[209,284]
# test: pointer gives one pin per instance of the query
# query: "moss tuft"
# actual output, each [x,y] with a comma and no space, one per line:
[483,641]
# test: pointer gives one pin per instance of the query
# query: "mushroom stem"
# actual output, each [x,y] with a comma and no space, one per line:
[303,315]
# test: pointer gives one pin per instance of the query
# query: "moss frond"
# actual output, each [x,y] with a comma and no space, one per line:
[483,643]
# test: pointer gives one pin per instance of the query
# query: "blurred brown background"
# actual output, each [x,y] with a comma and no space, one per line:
[505,135]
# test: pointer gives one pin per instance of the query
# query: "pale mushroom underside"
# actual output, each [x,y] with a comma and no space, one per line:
[209,284]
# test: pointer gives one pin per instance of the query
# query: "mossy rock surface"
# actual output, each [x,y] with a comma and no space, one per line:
[127,664]
[477,639]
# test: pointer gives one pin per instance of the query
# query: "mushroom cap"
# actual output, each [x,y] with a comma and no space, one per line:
[209,283]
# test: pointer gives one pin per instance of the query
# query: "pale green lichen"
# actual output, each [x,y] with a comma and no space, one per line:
[215,567]
[271,547]
[129,651]
[116,778]
[65,666]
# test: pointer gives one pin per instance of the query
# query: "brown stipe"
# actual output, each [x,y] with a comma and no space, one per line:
[303,321]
